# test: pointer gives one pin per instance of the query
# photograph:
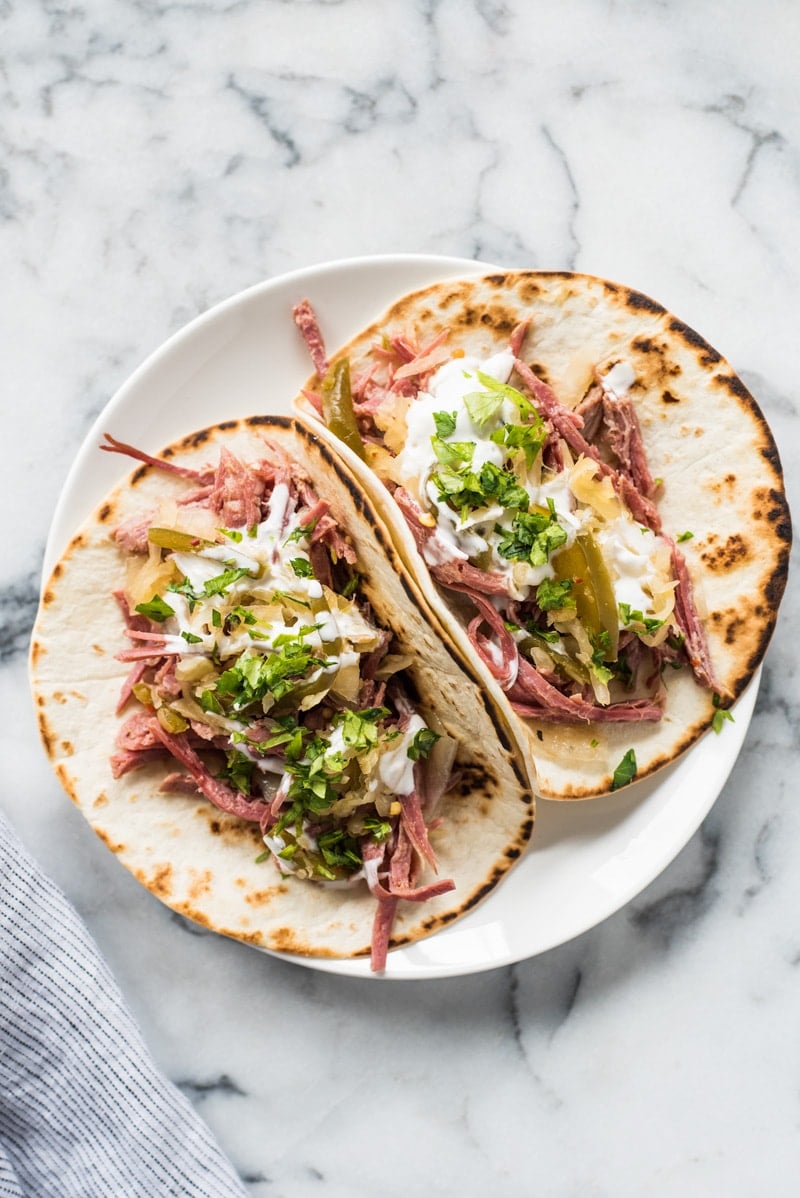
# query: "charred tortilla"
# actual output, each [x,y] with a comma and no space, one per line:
[716,493]
[202,861]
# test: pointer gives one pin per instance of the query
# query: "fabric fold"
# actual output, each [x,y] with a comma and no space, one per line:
[84,1111]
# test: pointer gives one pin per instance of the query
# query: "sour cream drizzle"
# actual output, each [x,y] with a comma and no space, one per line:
[629,550]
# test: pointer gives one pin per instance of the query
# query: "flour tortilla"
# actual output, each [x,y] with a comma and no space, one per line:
[199,860]
[705,436]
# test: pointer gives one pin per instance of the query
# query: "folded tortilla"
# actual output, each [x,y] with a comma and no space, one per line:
[706,440]
[199,860]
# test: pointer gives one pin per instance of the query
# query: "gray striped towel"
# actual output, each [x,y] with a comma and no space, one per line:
[83,1109]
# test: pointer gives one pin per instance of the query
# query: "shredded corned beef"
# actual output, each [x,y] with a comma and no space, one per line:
[222,796]
[590,410]
[625,439]
[532,693]
[203,476]
[236,495]
[306,320]
[695,642]
[131,535]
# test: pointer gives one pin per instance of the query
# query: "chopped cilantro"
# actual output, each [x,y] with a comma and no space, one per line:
[185,588]
[190,638]
[552,595]
[467,490]
[523,404]
[533,537]
[339,849]
[445,423]
[156,609]
[302,567]
[289,598]
[256,675]
[220,583]
[379,829]
[684,536]
[238,770]
[238,615]
[528,437]
[625,771]
[233,534]
[482,406]
[601,646]
[217,585]
[209,702]
[453,453]
[359,729]
[630,616]
[302,530]
[721,714]
[423,742]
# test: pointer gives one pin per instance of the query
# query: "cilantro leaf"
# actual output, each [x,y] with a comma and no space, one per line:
[220,583]
[625,771]
[453,453]
[302,530]
[721,714]
[359,728]
[505,391]
[423,742]
[482,406]
[552,595]
[302,567]
[156,609]
[238,770]
[533,537]
[445,423]
[528,437]
[468,490]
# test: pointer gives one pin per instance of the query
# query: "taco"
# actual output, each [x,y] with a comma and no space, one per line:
[236,685]
[590,496]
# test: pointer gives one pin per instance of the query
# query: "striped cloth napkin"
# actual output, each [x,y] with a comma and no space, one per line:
[84,1111]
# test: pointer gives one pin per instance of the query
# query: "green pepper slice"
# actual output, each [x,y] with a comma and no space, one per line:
[337,407]
[592,589]
[605,599]
[172,538]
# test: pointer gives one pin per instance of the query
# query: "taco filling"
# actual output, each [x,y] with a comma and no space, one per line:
[259,672]
[542,517]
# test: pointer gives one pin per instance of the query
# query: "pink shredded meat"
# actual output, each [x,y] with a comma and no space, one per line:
[413,824]
[222,796]
[625,439]
[237,492]
[458,574]
[689,621]
[203,475]
[131,534]
[533,696]
[306,320]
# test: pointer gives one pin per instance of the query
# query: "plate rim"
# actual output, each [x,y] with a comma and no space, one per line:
[62,527]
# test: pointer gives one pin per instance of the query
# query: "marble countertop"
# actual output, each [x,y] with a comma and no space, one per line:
[157,157]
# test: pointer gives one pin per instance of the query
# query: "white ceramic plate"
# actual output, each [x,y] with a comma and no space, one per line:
[243,358]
